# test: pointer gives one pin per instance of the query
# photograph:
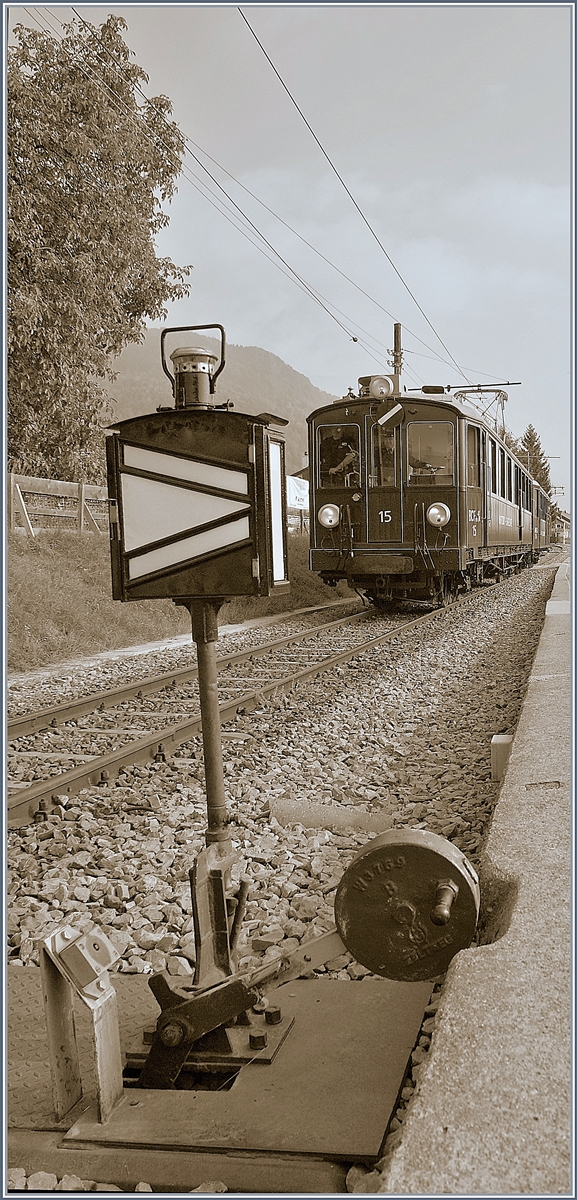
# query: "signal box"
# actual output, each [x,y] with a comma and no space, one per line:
[197,505]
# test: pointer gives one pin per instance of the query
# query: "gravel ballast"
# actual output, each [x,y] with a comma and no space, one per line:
[403,731]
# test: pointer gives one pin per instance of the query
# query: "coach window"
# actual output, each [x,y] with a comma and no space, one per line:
[509,478]
[473,456]
[501,472]
[430,450]
[339,455]
[382,471]
[493,462]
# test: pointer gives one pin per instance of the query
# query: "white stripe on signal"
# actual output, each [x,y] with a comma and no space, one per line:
[184,468]
[153,510]
[190,547]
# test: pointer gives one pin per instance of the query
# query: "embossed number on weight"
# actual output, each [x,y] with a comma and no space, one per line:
[389,864]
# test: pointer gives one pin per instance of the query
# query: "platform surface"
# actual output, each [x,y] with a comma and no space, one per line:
[492,1115]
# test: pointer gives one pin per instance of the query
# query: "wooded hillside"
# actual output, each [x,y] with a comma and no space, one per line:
[255,380]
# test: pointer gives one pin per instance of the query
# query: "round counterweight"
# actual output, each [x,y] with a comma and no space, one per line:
[407,903]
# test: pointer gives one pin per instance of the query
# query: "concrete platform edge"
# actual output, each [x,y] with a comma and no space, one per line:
[492,1112]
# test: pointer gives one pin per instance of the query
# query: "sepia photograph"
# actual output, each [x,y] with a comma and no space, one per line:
[288,427]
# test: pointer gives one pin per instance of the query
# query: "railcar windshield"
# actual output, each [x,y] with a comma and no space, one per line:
[382,471]
[431,453]
[339,456]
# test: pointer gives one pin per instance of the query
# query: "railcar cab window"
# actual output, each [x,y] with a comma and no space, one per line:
[430,449]
[339,456]
[383,457]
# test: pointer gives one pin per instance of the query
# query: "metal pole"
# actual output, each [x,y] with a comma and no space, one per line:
[398,351]
[204,615]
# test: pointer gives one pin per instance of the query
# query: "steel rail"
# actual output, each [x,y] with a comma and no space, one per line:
[23,804]
[69,710]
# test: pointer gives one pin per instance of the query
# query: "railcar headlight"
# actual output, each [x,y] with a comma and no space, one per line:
[329,515]
[438,515]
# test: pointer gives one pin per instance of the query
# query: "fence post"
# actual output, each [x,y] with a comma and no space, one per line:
[23,510]
[81,501]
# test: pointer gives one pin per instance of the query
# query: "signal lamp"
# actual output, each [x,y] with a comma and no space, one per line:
[329,515]
[438,515]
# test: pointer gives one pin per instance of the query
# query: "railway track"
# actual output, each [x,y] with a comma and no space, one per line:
[148,719]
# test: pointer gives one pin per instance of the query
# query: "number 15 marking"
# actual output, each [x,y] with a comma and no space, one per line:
[385,516]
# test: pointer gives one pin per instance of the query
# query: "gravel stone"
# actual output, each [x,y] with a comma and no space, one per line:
[42,1181]
[16,1179]
[212,1186]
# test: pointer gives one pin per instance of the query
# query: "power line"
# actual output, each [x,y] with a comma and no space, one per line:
[254,197]
[188,139]
[216,202]
[351,197]
[314,294]
[307,288]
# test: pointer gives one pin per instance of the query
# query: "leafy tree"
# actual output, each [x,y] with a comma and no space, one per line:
[89,165]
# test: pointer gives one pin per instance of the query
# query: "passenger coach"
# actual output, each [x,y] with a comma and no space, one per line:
[416,496]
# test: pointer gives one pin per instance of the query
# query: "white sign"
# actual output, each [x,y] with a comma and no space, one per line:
[297,493]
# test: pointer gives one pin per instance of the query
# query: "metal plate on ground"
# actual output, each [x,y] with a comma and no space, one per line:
[329,1092]
[30,1104]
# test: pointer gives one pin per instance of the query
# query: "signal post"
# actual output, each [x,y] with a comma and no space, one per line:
[198,515]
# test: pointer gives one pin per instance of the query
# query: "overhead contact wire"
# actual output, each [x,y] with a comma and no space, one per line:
[349,193]
[202,188]
[156,140]
[189,140]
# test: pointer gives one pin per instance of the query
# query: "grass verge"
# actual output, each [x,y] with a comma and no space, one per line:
[60,605]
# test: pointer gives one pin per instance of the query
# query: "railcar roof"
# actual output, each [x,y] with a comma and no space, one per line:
[460,407]
[445,401]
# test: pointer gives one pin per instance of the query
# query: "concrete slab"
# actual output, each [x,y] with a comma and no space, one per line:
[492,1113]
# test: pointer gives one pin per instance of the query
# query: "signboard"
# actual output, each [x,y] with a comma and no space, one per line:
[197,506]
[297,492]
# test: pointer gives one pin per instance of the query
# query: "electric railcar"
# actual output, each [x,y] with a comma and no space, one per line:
[414,496]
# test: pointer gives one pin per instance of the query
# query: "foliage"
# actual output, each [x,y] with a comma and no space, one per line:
[531,453]
[89,167]
[60,602]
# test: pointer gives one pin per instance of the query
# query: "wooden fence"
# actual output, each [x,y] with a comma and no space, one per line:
[35,504]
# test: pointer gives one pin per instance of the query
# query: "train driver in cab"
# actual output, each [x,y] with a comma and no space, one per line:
[338,458]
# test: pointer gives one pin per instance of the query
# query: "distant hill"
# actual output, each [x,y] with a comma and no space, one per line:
[255,380]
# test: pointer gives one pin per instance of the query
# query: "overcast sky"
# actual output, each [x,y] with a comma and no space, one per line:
[450,126]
